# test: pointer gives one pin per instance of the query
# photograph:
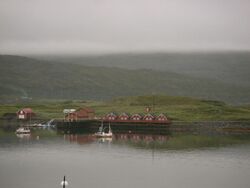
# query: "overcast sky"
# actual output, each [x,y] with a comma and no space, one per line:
[97,26]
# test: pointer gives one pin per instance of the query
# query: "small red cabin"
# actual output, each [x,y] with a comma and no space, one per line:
[80,114]
[25,113]
[149,117]
[111,117]
[123,117]
[162,117]
[136,117]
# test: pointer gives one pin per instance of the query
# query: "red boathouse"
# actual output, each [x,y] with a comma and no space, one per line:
[25,113]
[80,114]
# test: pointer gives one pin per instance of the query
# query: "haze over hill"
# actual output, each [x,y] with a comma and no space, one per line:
[226,67]
[21,76]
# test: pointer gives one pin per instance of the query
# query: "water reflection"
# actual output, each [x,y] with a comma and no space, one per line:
[174,141]
[162,142]
[125,160]
[24,136]
[136,138]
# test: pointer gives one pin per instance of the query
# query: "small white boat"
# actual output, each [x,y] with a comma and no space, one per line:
[23,130]
[102,133]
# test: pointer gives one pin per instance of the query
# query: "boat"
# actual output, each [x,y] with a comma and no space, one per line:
[102,133]
[23,130]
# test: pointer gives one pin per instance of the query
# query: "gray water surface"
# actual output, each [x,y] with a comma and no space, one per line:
[137,161]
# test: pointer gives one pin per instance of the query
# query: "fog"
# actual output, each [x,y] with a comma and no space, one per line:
[109,26]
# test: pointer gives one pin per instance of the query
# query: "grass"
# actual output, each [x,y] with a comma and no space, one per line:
[177,108]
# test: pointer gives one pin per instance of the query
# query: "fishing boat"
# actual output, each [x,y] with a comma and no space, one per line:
[102,133]
[23,130]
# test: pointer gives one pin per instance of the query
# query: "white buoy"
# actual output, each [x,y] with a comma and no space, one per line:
[64,183]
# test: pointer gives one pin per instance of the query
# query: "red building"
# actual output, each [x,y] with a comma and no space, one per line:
[136,117]
[25,113]
[80,114]
[149,117]
[123,117]
[162,117]
[111,117]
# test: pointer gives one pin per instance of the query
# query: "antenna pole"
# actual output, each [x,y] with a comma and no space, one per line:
[64,179]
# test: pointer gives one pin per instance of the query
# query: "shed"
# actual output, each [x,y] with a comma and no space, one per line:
[79,114]
[162,117]
[124,116]
[136,117]
[111,116]
[149,117]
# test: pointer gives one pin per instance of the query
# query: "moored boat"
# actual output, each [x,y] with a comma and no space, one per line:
[102,133]
[23,130]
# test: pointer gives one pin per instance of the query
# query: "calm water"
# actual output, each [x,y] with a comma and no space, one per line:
[127,160]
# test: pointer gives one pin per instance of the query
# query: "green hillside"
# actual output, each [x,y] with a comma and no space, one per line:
[177,108]
[225,67]
[26,77]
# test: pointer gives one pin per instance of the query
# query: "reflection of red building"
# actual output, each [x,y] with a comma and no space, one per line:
[25,113]
[80,114]
[80,139]
[141,137]
[135,138]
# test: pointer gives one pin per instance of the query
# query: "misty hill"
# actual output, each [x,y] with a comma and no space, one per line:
[225,67]
[26,77]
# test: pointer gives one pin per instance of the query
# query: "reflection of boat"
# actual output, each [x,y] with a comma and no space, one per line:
[105,139]
[48,124]
[23,136]
[23,130]
[102,133]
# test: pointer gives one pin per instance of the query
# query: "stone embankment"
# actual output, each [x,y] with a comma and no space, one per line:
[212,126]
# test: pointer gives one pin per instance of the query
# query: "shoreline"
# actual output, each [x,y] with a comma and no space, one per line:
[207,127]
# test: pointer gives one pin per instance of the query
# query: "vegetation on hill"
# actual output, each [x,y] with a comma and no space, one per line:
[225,67]
[177,108]
[29,78]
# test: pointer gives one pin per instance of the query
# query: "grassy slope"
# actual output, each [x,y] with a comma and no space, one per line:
[177,108]
[40,79]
